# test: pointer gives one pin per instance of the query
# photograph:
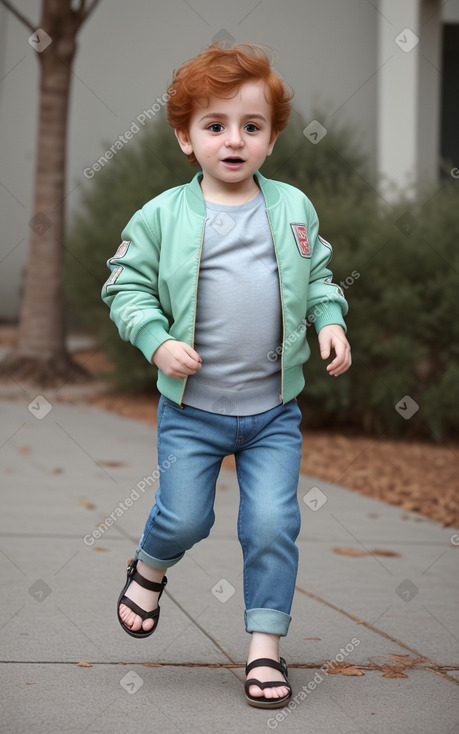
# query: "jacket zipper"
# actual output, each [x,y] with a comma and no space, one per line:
[195,303]
[282,305]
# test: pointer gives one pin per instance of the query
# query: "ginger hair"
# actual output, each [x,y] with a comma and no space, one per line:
[219,71]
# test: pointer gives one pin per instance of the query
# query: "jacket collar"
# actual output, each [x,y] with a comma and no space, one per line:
[195,198]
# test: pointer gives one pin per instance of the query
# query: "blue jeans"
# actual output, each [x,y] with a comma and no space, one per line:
[267,447]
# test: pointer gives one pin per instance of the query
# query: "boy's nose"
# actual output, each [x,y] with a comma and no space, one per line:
[234,139]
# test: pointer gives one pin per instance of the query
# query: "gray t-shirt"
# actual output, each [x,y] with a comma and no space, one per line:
[238,320]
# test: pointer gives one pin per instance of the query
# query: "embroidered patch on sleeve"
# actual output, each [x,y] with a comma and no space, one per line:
[301,238]
[122,249]
[114,276]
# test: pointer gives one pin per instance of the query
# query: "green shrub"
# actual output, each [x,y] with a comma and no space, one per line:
[397,264]
[403,321]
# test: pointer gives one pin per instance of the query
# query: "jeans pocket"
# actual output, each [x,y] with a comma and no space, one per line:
[167,402]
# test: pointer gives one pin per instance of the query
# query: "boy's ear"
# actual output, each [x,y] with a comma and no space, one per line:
[184,141]
[274,137]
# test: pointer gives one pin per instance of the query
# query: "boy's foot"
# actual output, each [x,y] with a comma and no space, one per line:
[147,600]
[264,645]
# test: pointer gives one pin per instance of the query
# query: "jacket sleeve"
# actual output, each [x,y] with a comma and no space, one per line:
[326,302]
[131,291]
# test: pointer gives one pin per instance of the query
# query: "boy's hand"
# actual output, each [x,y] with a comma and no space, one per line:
[332,337]
[176,359]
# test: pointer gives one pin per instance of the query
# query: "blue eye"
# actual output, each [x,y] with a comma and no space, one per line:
[216,127]
[251,127]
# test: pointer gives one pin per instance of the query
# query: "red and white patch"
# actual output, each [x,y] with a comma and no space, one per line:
[301,238]
[122,249]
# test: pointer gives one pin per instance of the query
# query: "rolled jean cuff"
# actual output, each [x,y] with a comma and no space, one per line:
[270,621]
[156,562]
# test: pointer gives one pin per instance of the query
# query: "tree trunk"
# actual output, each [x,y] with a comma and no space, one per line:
[41,354]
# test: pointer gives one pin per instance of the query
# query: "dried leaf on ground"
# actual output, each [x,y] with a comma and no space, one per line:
[84,665]
[100,548]
[87,504]
[358,552]
[393,671]
[378,660]
[336,668]
[406,660]
[112,463]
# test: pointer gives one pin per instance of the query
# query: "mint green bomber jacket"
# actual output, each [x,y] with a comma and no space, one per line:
[153,285]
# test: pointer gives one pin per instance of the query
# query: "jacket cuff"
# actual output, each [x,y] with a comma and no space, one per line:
[149,338]
[328,314]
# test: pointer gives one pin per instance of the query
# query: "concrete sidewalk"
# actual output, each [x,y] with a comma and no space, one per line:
[68,467]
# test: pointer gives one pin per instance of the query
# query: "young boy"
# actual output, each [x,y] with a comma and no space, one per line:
[213,282]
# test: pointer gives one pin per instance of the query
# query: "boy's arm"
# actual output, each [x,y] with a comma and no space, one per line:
[131,292]
[327,305]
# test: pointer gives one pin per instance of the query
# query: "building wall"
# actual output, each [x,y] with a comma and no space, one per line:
[409,42]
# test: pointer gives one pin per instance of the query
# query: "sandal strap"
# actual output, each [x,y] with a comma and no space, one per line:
[134,575]
[269,684]
[138,610]
[150,585]
[269,663]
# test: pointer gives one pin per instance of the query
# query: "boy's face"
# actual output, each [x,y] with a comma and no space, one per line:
[230,137]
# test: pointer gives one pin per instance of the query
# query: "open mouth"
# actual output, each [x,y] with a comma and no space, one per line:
[233,160]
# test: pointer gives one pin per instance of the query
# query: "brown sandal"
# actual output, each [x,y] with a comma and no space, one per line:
[134,575]
[260,701]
